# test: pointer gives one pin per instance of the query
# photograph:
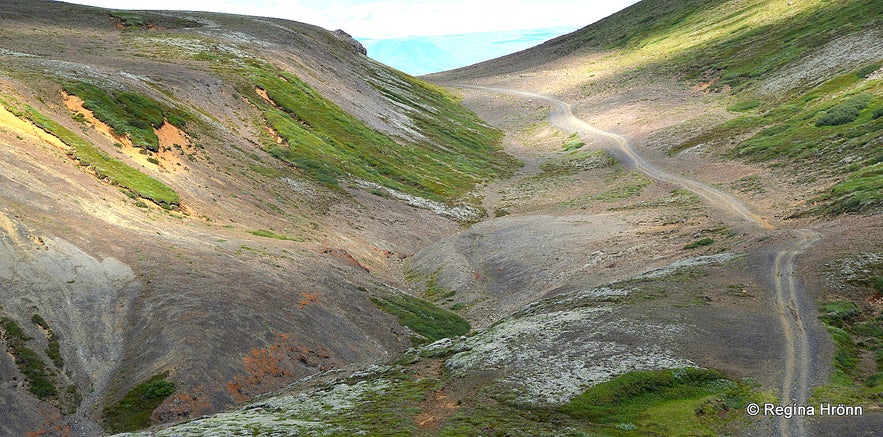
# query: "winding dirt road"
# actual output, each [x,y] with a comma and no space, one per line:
[790,300]
[562,116]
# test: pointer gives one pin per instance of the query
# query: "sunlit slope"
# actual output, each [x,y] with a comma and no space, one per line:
[193,207]
[801,78]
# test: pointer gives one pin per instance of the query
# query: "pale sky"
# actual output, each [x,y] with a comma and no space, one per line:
[401,18]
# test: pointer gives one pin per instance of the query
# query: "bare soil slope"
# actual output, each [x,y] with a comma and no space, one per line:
[212,258]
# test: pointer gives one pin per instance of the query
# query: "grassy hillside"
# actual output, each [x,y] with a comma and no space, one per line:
[247,130]
[113,170]
[436,148]
[797,76]
[829,125]
[331,145]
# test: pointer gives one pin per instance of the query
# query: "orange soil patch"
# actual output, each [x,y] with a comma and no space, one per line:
[436,408]
[75,105]
[264,95]
[308,298]
[173,144]
[281,363]
[25,128]
[169,137]
[276,137]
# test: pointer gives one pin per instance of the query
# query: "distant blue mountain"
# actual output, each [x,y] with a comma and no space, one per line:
[430,54]
[415,55]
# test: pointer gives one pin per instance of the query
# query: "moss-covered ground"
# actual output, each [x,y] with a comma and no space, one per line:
[856,330]
[133,411]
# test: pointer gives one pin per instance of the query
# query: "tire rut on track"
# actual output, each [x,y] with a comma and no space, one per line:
[789,302]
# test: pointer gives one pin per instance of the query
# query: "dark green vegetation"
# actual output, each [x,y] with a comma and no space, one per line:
[141,21]
[572,143]
[666,402]
[133,411]
[699,243]
[847,111]
[857,333]
[128,114]
[53,348]
[29,363]
[114,171]
[428,320]
[329,144]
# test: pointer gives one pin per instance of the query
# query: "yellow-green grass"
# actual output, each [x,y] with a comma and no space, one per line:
[329,144]
[114,171]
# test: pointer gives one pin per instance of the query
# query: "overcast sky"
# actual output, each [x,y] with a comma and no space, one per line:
[401,18]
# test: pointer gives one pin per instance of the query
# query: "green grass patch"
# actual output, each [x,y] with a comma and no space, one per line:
[572,143]
[845,112]
[269,172]
[856,331]
[699,243]
[270,234]
[839,312]
[861,191]
[433,291]
[53,348]
[744,106]
[424,318]
[114,171]
[140,21]
[30,364]
[329,144]
[132,412]
[578,160]
[674,402]
[129,19]
[128,114]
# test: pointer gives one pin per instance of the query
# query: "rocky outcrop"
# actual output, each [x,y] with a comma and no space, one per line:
[347,38]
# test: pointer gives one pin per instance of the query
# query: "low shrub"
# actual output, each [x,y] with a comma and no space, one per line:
[424,318]
[698,243]
[133,411]
[846,112]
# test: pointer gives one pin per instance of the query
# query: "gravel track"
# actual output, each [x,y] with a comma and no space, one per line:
[790,299]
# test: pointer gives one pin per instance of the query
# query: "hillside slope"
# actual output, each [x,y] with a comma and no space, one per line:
[787,73]
[695,229]
[198,208]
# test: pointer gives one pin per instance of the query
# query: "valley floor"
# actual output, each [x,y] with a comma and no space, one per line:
[602,257]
